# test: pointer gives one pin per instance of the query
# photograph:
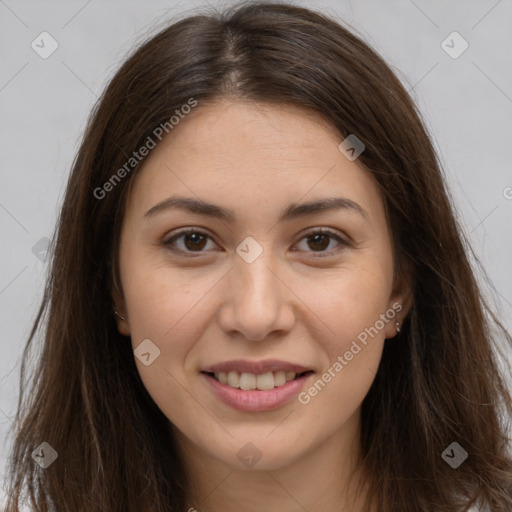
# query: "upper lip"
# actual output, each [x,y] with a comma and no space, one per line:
[255,367]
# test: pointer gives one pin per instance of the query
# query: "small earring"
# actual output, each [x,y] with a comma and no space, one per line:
[397,325]
[120,316]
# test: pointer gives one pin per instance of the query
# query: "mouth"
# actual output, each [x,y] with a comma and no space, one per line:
[256,386]
[251,381]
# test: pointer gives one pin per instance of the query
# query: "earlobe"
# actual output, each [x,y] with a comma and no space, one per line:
[400,304]
[122,323]
[122,330]
[119,313]
[395,314]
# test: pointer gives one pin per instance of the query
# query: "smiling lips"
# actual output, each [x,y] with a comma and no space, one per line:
[256,386]
[262,375]
[248,381]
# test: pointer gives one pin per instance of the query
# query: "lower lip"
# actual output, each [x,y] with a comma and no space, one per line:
[256,400]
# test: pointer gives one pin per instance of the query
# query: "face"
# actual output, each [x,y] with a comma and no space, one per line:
[262,291]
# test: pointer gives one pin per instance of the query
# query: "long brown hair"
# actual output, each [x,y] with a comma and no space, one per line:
[438,381]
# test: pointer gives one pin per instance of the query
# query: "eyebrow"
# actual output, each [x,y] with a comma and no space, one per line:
[293,211]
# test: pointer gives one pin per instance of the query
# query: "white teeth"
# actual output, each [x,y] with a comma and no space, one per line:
[233,379]
[247,381]
[265,381]
[279,378]
[250,381]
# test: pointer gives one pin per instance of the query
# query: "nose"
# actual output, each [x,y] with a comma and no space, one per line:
[258,302]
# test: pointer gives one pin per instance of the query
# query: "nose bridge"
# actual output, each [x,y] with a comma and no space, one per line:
[258,301]
[257,281]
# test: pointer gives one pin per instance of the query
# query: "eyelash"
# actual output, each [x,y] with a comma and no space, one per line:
[343,243]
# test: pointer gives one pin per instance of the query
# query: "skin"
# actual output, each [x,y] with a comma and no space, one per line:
[292,305]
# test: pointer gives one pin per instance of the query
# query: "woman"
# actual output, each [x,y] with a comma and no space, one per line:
[259,297]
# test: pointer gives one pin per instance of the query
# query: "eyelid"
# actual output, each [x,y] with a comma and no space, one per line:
[167,242]
[343,240]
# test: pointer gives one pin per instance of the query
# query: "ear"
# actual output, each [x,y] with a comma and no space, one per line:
[123,325]
[400,301]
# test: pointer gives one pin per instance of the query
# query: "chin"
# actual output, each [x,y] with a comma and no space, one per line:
[259,454]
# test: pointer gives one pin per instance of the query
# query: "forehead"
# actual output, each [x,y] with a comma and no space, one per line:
[250,156]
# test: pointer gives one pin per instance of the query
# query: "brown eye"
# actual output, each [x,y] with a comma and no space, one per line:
[195,241]
[319,241]
[192,241]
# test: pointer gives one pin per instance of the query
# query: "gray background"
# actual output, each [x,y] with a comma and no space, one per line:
[44,103]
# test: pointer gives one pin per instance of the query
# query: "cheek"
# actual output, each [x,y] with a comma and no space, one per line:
[160,299]
[352,302]
[169,309]
[335,396]
[355,307]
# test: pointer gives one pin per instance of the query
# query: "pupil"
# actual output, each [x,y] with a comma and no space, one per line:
[196,239]
[320,236]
